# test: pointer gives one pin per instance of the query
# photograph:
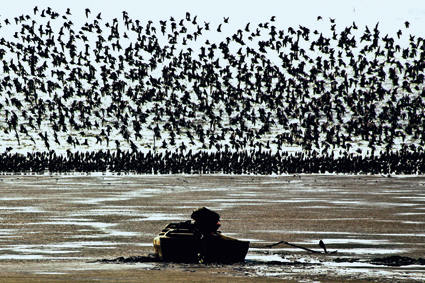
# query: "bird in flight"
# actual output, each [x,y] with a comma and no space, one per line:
[219,28]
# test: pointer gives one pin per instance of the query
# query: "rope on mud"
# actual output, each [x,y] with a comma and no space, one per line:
[321,244]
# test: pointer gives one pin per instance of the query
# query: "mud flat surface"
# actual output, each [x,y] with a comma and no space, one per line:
[56,228]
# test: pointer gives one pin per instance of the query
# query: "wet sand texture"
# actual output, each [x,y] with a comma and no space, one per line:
[56,226]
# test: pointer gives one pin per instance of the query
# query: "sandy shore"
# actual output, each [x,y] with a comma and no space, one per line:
[53,228]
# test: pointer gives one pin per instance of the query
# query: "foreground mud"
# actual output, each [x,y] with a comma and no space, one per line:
[62,227]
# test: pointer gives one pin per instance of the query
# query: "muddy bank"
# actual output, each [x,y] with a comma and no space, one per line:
[58,225]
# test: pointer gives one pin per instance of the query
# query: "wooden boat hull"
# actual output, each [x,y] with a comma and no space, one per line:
[188,248]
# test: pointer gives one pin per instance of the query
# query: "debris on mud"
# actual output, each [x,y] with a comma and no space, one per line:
[251,262]
[321,244]
[397,261]
[394,260]
[151,258]
[132,259]
[350,260]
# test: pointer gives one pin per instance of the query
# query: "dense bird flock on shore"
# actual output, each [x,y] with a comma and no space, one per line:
[187,96]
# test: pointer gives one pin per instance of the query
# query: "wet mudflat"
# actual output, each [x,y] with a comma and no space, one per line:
[57,227]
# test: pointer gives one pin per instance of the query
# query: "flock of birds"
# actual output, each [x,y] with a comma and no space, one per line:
[184,93]
[202,162]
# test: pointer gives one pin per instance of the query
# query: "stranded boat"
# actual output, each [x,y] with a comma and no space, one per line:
[199,241]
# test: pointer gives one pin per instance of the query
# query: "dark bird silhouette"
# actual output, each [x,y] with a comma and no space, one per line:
[219,28]
[247,27]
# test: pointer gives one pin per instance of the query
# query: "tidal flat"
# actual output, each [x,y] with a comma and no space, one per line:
[58,227]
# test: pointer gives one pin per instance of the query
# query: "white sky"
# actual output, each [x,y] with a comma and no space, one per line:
[391,14]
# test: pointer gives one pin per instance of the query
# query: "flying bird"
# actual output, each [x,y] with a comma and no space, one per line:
[219,28]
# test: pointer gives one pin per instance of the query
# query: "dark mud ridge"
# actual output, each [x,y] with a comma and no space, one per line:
[132,259]
[386,261]
[394,260]
[154,258]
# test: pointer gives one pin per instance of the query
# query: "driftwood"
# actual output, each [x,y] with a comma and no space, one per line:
[321,244]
